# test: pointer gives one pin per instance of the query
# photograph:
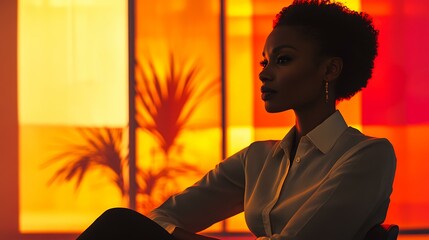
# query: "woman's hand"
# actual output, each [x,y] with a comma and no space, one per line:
[274,237]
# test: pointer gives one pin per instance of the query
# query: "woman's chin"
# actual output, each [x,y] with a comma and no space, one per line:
[272,108]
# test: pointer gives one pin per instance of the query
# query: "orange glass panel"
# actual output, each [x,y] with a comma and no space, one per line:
[174,40]
[264,13]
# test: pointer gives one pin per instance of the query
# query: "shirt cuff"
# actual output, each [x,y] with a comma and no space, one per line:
[167,226]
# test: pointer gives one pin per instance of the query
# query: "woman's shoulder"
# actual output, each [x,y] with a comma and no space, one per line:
[358,143]
[265,146]
[262,149]
[354,145]
[354,136]
[256,149]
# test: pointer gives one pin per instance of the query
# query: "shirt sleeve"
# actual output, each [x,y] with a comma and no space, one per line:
[217,196]
[356,188]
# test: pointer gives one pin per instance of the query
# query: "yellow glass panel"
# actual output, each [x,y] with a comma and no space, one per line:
[352,4]
[73,62]
[239,75]
[73,71]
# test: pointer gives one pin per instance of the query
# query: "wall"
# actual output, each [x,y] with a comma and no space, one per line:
[8,121]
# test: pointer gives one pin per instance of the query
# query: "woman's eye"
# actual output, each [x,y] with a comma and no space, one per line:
[283,60]
[280,60]
[263,63]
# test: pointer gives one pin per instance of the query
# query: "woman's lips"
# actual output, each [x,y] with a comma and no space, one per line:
[267,93]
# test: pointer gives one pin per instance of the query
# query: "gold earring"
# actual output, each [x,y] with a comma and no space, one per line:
[326,91]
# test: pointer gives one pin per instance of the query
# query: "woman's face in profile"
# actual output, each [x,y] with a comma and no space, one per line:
[293,72]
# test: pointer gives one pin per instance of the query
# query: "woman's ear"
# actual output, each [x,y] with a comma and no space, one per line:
[334,66]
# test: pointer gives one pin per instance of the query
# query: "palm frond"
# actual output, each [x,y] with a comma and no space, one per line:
[165,105]
[101,148]
[149,179]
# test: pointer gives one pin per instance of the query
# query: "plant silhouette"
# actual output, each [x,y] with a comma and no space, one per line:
[165,103]
[101,149]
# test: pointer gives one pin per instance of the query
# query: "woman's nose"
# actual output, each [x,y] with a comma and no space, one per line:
[264,76]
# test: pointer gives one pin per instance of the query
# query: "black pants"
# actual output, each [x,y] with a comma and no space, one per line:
[124,224]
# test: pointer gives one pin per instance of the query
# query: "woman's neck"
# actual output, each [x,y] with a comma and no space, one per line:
[305,121]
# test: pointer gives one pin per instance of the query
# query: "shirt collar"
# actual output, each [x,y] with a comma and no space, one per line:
[323,136]
[327,133]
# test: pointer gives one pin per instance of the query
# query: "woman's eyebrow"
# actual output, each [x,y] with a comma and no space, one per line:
[278,48]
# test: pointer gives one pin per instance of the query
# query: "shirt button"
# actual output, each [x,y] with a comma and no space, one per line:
[298,159]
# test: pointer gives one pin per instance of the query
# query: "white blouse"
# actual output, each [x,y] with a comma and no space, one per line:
[338,187]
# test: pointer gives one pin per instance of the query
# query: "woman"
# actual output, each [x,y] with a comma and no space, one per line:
[324,180]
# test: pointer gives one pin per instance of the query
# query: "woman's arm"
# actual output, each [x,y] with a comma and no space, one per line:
[218,195]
